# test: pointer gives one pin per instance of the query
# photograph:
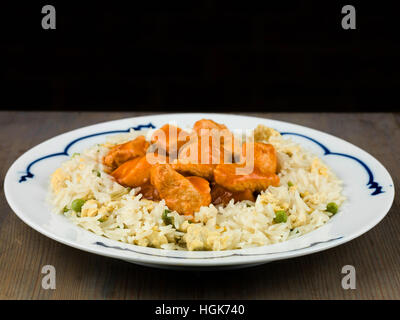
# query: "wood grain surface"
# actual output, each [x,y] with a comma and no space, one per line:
[81,275]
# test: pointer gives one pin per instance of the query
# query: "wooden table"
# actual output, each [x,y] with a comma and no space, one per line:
[82,275]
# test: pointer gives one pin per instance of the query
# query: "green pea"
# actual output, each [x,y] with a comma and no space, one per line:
[332,207]
[97,172]
[77,204]
[280,216]
[102,219]
[75,154]
[290,184]
[65,209]
[167,220]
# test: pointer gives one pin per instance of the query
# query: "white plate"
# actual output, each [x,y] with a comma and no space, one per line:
[367,185]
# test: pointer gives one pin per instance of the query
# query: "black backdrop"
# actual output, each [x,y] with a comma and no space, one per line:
[199,56]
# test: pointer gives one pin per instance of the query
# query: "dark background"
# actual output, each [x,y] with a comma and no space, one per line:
[199,56]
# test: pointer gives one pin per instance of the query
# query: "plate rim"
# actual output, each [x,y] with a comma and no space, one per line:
[219,261]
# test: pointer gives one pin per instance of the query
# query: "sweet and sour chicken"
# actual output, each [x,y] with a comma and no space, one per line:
[189,170]
[126,151]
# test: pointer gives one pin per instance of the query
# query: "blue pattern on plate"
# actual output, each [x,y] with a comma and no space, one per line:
[312,244]
[372,184]
[29,174]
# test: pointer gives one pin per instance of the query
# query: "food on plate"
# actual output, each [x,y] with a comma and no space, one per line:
[225,175]
[126,151]
[200,157]
[201,188]
[170,138]
[136,172]
[185,195]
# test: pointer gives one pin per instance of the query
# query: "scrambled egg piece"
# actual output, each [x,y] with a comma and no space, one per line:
[296,217]
[184,226]
[199,237]
[157,239]
[300,217]
[104,213]
[277,205]
[108,145]
[142,242]
[147,204]
[58,179]
[318,167]
[263,133]
[90,208]
[298,220]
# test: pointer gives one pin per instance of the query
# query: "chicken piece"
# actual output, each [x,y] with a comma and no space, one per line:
[207,124]
[265,159]
[149,192]
[220,195]
[244,195]
[263,156]
[228,142]
[202,150]
[205,171]
[226,176]
[135,173]
[181,194]
[170,138]
[201,185]
[199,158]
[126,151]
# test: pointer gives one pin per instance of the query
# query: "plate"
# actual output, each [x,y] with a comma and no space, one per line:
[368,188]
